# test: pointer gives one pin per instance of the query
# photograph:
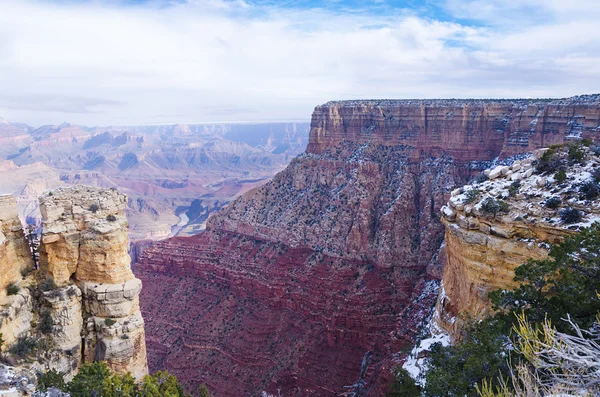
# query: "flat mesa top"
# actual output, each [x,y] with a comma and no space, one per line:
[592,99]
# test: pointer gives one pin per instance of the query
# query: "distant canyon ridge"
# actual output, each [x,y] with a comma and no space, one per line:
[174,175]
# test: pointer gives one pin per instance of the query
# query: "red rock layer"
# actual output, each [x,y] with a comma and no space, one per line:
[293,282]
[465,129]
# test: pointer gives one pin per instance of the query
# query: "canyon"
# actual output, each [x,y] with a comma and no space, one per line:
[339,254]
[166,171]
[82,304]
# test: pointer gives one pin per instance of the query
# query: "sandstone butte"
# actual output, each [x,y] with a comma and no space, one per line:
[84,283]
[293,282]
[483,250]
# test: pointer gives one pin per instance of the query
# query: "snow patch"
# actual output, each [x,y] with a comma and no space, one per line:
[415,363]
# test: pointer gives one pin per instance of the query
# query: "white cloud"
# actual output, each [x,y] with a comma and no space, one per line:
[108,64]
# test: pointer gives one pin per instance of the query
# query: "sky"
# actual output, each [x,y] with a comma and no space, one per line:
[126,62]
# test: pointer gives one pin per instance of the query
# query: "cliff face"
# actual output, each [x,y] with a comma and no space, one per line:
[84,240]
[463,129]
[293,282]
[15,258]
[82,305]
[484,249]
[85,235]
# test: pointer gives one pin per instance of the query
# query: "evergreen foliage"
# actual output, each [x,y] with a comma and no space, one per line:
[403,385]
[563,286]
[97,380]
[455,370]
[51,378]
[12,289]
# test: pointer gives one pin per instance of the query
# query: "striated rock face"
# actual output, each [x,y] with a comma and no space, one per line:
[464,129]
[483,250]
[84,240]
[15,258]
[293,282]
[85,235]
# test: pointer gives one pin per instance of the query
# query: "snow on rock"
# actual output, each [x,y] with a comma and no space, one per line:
[415,363]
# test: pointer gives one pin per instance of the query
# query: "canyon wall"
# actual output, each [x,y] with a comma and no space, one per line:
[484,249]
[82,304]
[294,281]
[15,260]
[464,129]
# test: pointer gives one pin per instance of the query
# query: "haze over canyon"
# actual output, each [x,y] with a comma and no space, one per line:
[174,175]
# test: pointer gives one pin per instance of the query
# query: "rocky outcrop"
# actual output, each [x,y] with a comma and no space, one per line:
[84,241]
[484,247]
[293,282]
[15,261]
[85,235]
[82,305]
[15,256]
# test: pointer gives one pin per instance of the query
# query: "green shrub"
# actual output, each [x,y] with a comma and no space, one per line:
[24,346]
[96,379]
[493,207]
[553,203]
[576,153]
[589,190]
[403,385]
[560,176]
[587,142]
[48,284]
[12,289]
[513,189]
[570,215]
[46,325]
[456,369]
[471,196]
[51,378]
[90,380]
[549,162]
[109,322]
[203,391]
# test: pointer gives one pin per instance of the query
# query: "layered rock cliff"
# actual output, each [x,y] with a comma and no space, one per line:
[495,226]
[82,305]
[84,242]
[15,260]
[293,282]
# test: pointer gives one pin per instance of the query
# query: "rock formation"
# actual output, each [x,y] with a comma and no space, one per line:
[84,241]
[82,305]
[15,260]
[483,248]
[293,282]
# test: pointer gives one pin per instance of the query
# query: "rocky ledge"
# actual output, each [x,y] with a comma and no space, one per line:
[494,226]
